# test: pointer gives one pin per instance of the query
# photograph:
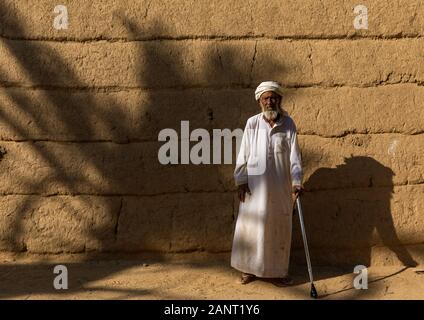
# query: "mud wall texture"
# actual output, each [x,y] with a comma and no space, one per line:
[81,109]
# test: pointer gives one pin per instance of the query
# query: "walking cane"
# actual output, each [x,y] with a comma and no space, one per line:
[314,293]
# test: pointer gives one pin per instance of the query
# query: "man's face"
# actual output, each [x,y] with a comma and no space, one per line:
[270,104]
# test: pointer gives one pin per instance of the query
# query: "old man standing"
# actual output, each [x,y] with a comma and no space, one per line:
[268,172]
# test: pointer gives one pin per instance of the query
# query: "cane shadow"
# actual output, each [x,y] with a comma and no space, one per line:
[347,211]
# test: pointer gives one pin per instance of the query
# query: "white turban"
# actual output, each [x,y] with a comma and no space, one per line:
[268,86]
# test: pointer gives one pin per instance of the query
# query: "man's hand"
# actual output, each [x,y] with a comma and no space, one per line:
[296,191]
[242,190]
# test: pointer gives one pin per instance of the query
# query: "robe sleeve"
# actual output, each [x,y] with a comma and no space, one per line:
[240,172]
[295,160]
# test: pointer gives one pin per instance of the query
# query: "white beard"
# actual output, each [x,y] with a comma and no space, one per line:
[270,115]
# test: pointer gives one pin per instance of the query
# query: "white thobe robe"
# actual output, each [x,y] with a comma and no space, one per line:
[269,161]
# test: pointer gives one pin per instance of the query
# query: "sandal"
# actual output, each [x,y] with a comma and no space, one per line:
[247,278]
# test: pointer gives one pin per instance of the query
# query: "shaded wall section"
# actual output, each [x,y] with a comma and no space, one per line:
[81,110]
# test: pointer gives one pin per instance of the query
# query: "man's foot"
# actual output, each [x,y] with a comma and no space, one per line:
[247,278]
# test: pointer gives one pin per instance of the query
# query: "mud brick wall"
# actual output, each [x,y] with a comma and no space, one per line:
[81,109]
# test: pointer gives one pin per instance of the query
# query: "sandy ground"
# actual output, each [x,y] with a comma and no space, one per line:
[188,276]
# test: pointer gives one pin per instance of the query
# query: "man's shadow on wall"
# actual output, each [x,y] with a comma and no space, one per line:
[347,211]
